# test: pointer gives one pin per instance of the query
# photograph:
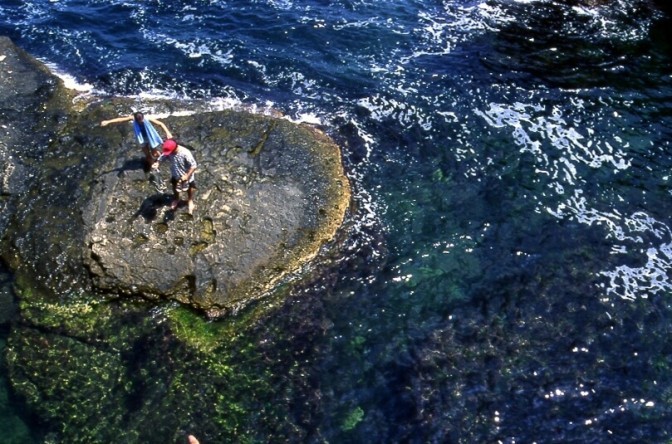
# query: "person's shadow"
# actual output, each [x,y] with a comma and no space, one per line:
[149,208]
[128,165]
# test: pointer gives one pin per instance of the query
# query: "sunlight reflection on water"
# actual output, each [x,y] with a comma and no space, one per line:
[561,154]
[468,128]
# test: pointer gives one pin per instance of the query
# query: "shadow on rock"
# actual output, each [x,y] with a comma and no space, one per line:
[149,208]
[128,165]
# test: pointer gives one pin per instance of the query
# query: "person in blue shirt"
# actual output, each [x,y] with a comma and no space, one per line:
[149,139]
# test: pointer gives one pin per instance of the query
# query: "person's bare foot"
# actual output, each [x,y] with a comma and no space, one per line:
[174,204]
[192,439]
[190,207]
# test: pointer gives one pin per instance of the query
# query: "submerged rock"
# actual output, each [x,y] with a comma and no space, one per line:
[89,240]
[84,216]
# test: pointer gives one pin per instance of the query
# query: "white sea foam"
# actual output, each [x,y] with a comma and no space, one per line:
[277,4]
[69,81]
[198,49]
[533,127]
[407,114]
[631,282]
[308,117]
[358,23]
[565,154]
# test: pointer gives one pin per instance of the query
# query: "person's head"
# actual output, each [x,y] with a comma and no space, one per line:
[169,147]
[138,117]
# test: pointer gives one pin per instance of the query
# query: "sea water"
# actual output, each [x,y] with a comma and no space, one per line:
[509,258]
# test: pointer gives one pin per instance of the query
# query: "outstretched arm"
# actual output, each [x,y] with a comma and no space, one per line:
[169,135]
[117,120]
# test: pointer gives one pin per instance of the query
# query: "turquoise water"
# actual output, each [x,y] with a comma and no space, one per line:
[507,271]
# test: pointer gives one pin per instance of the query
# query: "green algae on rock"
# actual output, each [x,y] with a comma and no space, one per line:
[102,351]
[136,381]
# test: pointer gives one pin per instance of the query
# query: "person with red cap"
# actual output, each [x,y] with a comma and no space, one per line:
[182,168]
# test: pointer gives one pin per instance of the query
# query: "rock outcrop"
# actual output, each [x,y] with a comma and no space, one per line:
[80,215]
[98,348]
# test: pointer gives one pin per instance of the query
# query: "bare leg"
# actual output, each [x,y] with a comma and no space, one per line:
[155,174]
[176,195]
[149,159]
[190,199]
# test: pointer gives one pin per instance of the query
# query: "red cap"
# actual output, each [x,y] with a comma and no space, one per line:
[169,146]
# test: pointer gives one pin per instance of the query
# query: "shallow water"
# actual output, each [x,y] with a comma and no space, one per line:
[507,274]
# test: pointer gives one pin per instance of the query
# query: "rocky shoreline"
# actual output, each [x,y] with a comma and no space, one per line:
[130,322]
[78,206]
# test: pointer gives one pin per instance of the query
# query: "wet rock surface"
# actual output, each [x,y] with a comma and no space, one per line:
[86,240]
[270,194]
[29,97]
[82,214]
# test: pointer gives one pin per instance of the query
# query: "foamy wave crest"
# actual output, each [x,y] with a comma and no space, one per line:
[617,19]
[69,81]
[467,21]
[27,13]
[439,32]
[638,233]
[565,156]
[364,23]
[282,5]
[199,49]
[625,20]
[628,282]
[558,147]
[406,114]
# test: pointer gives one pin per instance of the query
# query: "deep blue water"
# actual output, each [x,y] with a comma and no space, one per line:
[510,263]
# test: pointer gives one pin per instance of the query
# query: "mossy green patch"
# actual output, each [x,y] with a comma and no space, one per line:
[207,335]
[196,331]
[138,377]
[353,418]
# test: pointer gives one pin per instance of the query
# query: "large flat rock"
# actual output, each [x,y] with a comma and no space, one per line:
[81,215]
[271,193]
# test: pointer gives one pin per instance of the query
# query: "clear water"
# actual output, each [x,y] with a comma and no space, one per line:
[507,274]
